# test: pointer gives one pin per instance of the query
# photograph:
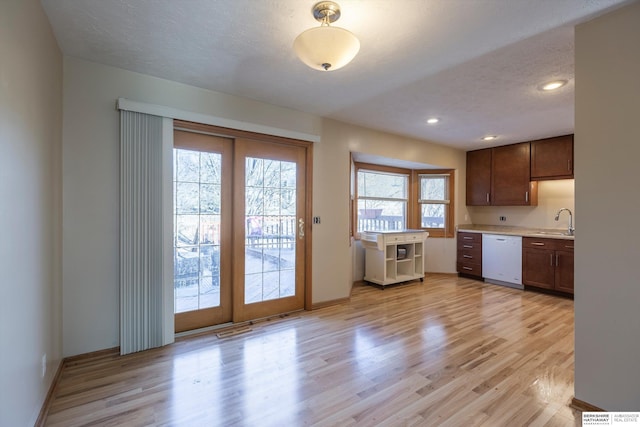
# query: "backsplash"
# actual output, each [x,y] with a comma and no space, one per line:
[552,196]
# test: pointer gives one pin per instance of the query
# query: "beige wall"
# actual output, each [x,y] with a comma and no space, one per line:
[607,335]
[90,154]
[334,270]
[30,213]
[552,195]
[91,183]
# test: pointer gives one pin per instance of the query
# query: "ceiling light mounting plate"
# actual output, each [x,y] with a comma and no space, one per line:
[326,11]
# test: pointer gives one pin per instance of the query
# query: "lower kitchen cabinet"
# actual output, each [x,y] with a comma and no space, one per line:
[469,260]
[548,263]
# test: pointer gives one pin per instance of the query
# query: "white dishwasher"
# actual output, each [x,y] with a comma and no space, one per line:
[502,260]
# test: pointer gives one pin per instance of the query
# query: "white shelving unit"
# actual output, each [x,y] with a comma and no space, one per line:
[393,256]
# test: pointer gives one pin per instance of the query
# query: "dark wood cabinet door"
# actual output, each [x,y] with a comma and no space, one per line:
[564,271]
[552,158]
[538,267]
[479,177]
[510,176]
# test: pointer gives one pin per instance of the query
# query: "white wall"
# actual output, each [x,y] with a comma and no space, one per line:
[30,211]
[331,202]
[91,183]
[552,195]
[607,334]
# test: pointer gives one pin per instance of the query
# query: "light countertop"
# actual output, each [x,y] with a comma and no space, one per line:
[547,233]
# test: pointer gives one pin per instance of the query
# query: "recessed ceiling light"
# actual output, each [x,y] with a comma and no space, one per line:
[556,84]
[489,138]
[433,120]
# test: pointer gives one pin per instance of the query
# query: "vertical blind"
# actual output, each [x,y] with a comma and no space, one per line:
[141,299]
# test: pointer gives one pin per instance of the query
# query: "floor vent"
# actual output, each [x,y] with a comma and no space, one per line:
[233,332]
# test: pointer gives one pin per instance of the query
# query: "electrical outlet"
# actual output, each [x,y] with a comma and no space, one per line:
[503,218]
[316,220]
[44,365]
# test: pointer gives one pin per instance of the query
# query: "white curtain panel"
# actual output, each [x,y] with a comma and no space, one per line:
[141,231]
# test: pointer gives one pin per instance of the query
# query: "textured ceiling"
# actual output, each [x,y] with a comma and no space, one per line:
[475,64]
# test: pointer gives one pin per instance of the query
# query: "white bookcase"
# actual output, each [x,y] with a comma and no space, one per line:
[393,256]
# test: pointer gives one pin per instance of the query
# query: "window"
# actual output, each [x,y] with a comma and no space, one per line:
[382,198]
[435,205]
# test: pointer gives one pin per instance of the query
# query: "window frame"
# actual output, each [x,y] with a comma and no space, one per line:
[414,207]
[369,167]
[449,215]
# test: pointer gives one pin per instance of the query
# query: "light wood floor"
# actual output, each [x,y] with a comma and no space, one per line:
[446,352]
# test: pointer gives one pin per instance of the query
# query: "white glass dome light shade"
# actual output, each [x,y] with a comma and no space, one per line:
[326,48]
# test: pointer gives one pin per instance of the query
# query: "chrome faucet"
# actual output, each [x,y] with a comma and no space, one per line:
[571,230]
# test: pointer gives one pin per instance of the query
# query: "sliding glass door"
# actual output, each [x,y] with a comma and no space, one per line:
[239,229]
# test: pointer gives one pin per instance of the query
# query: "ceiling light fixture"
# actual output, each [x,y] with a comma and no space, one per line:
[433,120]
[556,84]
[326,48]
[489,138]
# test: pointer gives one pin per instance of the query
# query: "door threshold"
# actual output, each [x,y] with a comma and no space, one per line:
[229,325]
[205,329]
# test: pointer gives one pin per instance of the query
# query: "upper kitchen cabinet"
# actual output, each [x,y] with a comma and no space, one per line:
[500,177]
[479,177]
[552,158]
[510,176]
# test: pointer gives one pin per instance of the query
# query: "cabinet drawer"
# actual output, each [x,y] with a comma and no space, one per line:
[470,255]
[536,243]
[565,245]
[553,244]
[465,237]
[412,237]
[470,246]
[469,268]
[394,238]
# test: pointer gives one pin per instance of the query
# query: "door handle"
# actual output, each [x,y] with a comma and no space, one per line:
[300,228]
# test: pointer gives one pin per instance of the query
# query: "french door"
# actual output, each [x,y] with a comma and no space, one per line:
[239,225]
[269,256]
[202,235]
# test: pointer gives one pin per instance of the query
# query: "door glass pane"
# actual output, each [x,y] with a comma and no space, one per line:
[196,248]
[270,229]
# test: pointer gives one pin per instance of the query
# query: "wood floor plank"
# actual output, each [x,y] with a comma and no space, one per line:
[448,351]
